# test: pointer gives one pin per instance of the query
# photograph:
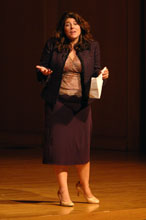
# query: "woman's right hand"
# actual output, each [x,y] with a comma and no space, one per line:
[44,70]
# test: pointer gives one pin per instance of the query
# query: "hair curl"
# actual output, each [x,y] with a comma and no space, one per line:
[63,43]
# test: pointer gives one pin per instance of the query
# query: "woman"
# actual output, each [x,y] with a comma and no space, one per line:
[68,61]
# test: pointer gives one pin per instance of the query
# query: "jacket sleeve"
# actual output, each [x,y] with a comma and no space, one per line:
[45,60]
[97,66]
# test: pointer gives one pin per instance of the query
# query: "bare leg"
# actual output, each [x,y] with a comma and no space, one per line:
[84,174]
[62,174]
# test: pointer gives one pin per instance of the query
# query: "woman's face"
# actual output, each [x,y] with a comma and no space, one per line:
[72,29]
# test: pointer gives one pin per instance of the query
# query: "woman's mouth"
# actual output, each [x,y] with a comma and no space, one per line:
[72,32]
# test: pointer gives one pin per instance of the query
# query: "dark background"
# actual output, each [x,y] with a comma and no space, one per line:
[119,26]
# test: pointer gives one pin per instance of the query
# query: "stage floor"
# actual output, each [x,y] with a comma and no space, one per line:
[28,188]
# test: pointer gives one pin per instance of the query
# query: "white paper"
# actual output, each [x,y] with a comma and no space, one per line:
[96,87]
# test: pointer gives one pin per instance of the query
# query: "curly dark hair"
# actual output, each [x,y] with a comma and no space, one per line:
[63,43]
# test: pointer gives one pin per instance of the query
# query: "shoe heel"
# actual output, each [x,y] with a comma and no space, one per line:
[78,188]
[78,192]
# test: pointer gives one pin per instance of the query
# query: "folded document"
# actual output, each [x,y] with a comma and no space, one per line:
[96,87]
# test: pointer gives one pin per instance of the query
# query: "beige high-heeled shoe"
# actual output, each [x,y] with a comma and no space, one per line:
[63,203]
[91,200]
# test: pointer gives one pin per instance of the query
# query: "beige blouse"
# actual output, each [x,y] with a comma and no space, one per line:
[71,81]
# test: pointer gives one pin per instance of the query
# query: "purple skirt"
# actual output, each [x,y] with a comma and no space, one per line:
[67,133]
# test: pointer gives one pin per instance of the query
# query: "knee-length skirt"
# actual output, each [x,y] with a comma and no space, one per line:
[67,134]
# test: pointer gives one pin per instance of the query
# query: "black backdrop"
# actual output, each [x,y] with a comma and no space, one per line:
[143,75]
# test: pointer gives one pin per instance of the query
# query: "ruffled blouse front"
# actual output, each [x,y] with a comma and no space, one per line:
[71,80]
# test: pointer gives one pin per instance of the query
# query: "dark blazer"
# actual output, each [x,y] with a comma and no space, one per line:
[51,58]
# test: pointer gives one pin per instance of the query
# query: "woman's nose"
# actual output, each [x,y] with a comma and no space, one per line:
[72,25]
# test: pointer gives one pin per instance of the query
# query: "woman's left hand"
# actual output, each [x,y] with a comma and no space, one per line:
[105,73]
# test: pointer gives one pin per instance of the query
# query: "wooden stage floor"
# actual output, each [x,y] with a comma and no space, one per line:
[28,188]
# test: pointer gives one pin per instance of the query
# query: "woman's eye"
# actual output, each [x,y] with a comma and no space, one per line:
[67,24]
